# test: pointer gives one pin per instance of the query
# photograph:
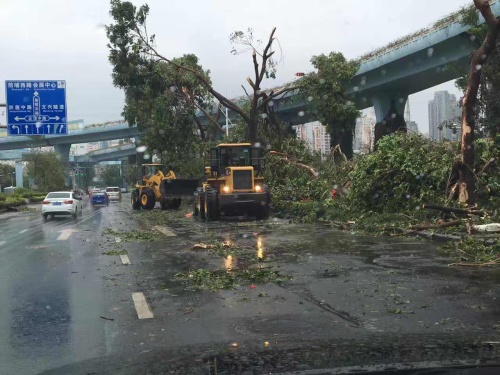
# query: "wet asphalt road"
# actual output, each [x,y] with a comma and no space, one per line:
[66,296]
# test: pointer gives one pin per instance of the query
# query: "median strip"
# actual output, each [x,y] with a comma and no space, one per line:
[141,306]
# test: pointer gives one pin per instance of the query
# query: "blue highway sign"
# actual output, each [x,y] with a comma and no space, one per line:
[36,107]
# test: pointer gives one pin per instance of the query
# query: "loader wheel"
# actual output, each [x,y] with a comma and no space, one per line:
[212,212]
[196,212]
[171,204]
[263,211]
[148,199]
[164,204]
[175,203]
[202,206]
[197,207]
[134,199]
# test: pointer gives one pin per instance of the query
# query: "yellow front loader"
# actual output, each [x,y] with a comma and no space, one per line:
[234,184]
[157,185]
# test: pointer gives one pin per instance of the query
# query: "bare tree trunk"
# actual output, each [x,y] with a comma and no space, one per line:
[467,180]
[200,127]
[344,140]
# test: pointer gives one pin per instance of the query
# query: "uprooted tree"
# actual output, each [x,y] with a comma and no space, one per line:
[467,179]
[133,53]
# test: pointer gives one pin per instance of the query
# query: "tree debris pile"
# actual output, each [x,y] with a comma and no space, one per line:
[406,171]
[301,182]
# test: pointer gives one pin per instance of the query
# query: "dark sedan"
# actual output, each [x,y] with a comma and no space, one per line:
[99,199]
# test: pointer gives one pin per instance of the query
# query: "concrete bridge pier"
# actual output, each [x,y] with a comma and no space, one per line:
[385,105]
[19,173]
[62,152]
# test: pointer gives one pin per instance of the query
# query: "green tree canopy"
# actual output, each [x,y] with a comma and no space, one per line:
[46,171]
[6,174]
[161,89]
[111,176]
[325,90]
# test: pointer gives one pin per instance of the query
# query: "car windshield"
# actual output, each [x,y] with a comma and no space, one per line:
[249,187]
[58,195]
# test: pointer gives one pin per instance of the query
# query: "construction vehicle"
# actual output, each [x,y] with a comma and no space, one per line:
[234,184]
[155,186]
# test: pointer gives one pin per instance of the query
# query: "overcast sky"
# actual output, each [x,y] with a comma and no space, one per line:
[64,39]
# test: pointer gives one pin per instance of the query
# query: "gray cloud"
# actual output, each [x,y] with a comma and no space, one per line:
[63,39]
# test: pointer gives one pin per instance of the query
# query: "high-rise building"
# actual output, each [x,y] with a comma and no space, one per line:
[443,114]
[412,127]
[301,131]
[315,135]
[363,133]
[321,138]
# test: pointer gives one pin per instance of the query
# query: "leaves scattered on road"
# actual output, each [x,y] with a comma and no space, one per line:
[221,279]
[115,252]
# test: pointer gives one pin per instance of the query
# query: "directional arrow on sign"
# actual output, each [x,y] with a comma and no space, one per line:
[40,118]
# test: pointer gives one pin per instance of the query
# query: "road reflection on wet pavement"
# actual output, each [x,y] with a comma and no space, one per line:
[68,295]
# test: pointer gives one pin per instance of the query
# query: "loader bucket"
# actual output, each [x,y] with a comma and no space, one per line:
[179,187]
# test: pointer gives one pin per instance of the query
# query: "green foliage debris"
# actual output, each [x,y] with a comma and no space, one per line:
[222,279]
[115,252]
[475,251]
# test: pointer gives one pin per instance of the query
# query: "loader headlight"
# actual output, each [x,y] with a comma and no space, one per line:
[225,189]
[258,188]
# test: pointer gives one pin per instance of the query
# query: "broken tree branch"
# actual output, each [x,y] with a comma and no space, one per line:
[221,98]
[273,95]
[287,159]
[246,92]
[435,226]
[487,165]
[454,210]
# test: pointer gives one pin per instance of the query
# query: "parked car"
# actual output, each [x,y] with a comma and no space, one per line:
[123,190]
[61,203]
[99,199]
[114,193]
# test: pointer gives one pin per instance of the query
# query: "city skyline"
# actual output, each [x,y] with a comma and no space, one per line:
[443,112]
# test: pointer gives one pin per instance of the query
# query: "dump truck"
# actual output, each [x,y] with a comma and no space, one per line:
[155,186]
[234,184]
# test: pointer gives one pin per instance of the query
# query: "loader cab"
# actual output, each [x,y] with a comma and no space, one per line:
[149,170]
[235,155]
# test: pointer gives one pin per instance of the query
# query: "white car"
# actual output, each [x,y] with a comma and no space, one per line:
[61,203]
[114,193]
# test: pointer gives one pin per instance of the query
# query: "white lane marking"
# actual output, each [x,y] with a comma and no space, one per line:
[65,234]
[141,306]
[125,260]
[23,231]
[165,231]
[87,218]
[2,243]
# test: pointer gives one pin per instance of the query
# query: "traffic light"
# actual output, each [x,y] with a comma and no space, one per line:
[300,74]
